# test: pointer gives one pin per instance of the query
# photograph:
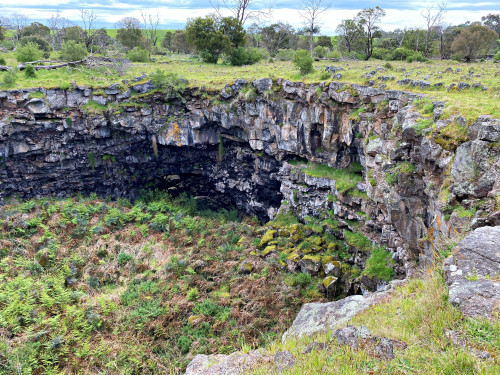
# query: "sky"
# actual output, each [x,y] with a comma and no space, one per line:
[173,13]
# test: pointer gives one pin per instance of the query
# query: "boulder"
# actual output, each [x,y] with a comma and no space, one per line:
[220,364]
[471,273]
[316,318]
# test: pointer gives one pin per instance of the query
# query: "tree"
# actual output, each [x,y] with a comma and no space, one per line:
[167,41]
[310,13]
[414,39]
[368,19]
[36,29]
[74,33]
[56,25]
[351,34]
[72,51]
[446,38]
[303,61]
[473,40]
[130,34]
[213,37]
[433,17]
[18,22]
[324,41]
[150,25]
[89,17]
[242,10]
[180,43]
[277,36]
[492,21]
[101,40]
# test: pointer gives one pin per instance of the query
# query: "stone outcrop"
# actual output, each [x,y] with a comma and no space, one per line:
[472,274]
[117,140]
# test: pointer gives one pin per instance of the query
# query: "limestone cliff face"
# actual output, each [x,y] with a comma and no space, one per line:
[236,148]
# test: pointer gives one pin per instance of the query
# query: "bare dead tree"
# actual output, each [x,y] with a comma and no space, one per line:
[89,17]
[242,10]
[150,26]
[54,25]
[433,17]
[18,22]
[310,13]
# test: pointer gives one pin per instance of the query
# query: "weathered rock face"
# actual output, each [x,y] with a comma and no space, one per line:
[472,273]
[117,140]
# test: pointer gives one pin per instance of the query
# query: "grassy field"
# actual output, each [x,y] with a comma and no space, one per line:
[469,102]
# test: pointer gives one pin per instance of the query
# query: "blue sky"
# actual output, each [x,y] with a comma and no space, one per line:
[173,13]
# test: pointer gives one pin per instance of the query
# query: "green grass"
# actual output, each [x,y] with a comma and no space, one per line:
[378,264]
[469,103]
[345,179]
[358,241]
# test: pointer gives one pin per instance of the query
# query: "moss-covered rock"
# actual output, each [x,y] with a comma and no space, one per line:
[310,264]
[268,250]
[267,237]
[245,268]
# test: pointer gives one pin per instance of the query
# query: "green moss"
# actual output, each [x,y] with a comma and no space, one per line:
[267,237]
[452,136]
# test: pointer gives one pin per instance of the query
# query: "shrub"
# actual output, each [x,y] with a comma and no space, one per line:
[285,55]
[138,55]
[73,51]
[123,258]
[9,78]
[303,61]
[381,54]
[2,61]
[242,56]
[416,56]
[170,83]
[400,54]
[29,71]
[334,55]
[28,52]
[496,57]
[320,51]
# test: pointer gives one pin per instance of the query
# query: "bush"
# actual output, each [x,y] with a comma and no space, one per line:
[170,83]
[400,54]
[381,54]
[73,51]
[29,71]
[495,58]
[320,51]
[303,61]
[138,55]
[28,52]
[334,55]
[9,78]
[242,56]
[285,55]
[2,61]
[416,56]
